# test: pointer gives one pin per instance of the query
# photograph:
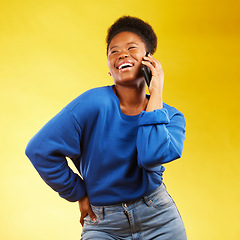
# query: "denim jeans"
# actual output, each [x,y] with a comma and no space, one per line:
[155,216]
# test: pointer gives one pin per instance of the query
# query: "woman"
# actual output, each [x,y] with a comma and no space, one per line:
[118,138]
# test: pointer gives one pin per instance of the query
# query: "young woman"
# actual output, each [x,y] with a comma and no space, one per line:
[119,138]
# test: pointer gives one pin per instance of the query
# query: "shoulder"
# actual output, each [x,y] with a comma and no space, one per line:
[87,107]
[90,98]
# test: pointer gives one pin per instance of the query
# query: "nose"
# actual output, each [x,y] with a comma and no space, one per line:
[123,54]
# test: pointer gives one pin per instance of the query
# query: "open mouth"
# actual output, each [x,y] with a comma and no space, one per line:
[125,66]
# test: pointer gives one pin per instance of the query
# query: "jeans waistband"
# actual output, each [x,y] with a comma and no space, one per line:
[121,206]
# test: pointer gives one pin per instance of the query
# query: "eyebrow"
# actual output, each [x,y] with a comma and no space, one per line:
[132,43]
[127,44]
[113,47]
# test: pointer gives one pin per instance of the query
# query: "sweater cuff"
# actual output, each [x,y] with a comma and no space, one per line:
[77,192]
[158,116]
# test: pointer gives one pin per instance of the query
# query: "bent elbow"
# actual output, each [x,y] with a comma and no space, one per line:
[148,162]
[29,151]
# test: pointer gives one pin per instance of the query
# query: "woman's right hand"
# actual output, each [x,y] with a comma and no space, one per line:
[85,209]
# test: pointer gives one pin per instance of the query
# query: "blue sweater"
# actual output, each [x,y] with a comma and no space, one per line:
[119,157]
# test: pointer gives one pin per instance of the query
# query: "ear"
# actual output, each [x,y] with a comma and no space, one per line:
[109,74]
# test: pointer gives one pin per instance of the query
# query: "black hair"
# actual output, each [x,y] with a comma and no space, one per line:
[137,26]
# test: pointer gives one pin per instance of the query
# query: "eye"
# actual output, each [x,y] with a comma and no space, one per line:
[114,52]
[131,48]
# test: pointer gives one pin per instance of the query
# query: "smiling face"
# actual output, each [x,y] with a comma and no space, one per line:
[125,55]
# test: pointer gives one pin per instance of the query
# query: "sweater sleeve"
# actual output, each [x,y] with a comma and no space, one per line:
[160,137]
[48,149]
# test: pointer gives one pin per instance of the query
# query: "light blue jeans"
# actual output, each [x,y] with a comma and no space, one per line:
[155,216]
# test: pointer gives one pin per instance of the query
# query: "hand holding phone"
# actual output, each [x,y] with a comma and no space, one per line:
[146,72]
[154,77]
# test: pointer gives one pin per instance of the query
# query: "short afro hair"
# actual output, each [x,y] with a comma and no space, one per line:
[137,26]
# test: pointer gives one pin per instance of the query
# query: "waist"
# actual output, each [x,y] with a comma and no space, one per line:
[118,189]
[130,204]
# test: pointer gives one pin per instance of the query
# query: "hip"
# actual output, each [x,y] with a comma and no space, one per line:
[153,215]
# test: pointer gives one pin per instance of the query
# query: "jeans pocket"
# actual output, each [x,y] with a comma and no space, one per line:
[160,199]
[89,221]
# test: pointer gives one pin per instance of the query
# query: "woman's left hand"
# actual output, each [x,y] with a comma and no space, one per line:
[156,84]
[85,209]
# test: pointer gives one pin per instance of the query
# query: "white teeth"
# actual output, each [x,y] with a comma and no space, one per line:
[125,65]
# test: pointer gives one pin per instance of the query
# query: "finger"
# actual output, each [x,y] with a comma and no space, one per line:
[148,59]
[92,215]
[82,221]
[150,65]
[83,215]
[153,61]
[157,72]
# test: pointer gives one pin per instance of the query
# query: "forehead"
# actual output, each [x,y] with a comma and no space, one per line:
[125,38]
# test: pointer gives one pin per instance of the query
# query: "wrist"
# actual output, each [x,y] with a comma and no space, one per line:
[155,91]
[156,95]
[155,102]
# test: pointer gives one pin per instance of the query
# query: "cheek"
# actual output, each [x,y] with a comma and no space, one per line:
[110,64]
[138,55]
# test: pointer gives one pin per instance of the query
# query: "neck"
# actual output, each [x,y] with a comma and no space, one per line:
[132,99]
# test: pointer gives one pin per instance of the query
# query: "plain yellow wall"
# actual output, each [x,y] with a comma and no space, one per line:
[51,51]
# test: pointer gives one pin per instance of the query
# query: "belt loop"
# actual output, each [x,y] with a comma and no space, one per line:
[146,201]
[103,213]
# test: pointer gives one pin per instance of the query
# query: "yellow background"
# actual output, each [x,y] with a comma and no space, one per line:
[53,50]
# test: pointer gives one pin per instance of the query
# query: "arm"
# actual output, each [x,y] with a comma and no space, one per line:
[161,133]
[156,85]
[160,137]
[47,150]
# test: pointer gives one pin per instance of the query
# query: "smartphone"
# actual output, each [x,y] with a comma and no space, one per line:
[146,73]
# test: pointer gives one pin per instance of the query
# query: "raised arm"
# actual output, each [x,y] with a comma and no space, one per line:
[161,130]
[160,138]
